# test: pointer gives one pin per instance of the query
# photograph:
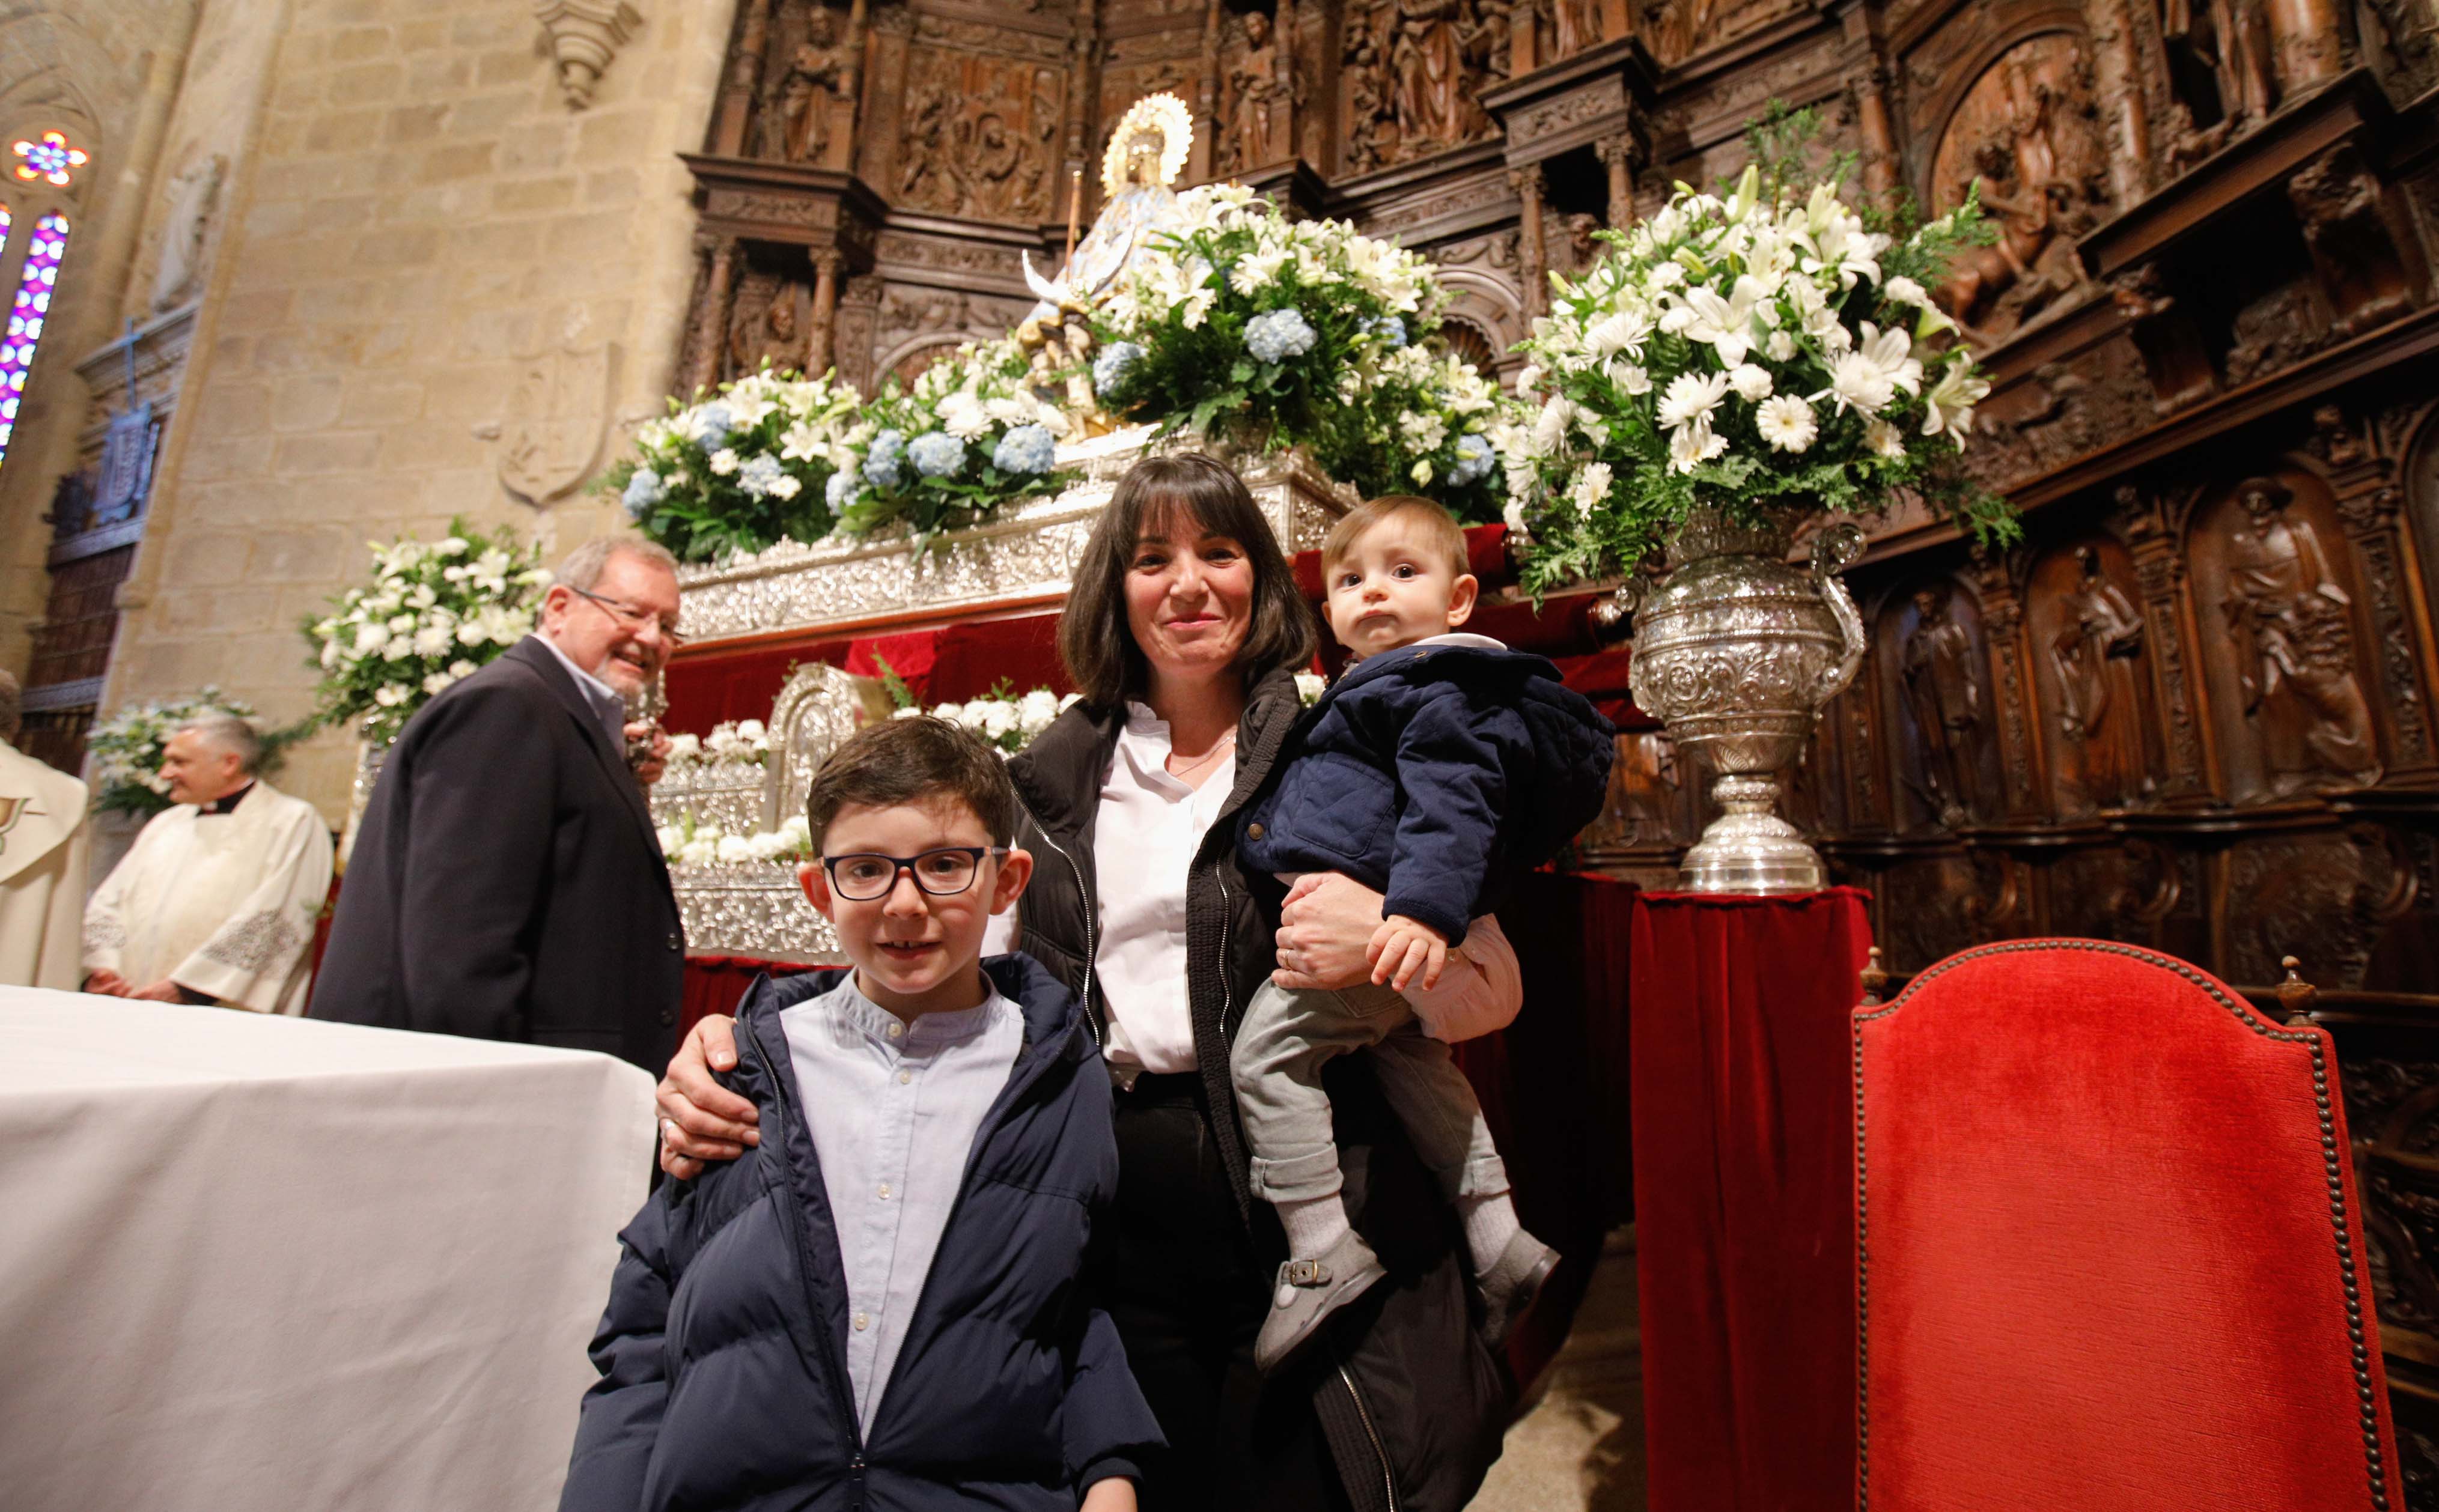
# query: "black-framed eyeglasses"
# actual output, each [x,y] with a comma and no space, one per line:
[630,616]
[861,876]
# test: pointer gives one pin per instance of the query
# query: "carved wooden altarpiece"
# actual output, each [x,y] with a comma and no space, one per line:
[2193,709]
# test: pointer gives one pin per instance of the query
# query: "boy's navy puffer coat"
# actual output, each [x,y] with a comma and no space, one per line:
[723,1351]
[1435,775]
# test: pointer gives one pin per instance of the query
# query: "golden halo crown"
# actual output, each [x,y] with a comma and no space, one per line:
[1163,115]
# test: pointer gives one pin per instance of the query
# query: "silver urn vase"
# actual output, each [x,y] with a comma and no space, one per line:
[1737,649]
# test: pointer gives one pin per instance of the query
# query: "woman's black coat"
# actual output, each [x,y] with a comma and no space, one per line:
[1411,1401]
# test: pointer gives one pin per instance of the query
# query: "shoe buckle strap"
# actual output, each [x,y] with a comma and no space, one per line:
[1306,1273]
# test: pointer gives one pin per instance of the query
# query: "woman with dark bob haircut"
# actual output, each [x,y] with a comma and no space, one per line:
[1184,631]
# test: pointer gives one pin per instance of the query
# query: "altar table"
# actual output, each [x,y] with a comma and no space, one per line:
[1744,1187]
[275,1263]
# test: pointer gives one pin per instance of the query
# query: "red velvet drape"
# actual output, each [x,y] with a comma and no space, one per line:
[1744,1187]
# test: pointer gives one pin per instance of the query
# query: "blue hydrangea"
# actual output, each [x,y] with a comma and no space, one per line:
[1109,368]
[885,461]
[712,424]
[644,490]
[1279,335]
[760,475]
[1025,449]
[936,453]
[1388,330]
[841,490]
[1474,460]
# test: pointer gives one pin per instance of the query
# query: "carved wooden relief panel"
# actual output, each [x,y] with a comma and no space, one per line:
[1676,30]
[2091,676]
[979,115]
[2279,629]
[1932,671]
[2027,135]
[1411,76]
[802,112]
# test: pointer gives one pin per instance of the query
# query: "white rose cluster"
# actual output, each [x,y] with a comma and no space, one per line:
[684,843]
[1009,722]
[433,614]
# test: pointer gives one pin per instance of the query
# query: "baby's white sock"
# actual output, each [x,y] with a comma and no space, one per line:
[1489,1223]
[1314,1224]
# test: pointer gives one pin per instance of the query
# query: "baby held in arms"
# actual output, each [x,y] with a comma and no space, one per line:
[1439,768]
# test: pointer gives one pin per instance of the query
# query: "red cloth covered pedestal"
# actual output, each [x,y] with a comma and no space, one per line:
[1743,1197]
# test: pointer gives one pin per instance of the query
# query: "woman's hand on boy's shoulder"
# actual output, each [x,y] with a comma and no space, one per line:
[701,1120]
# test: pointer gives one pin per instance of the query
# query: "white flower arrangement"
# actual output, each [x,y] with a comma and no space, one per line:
[1767,348]
[1007,721]
[124,748]
[1298,333]
[685,842]
[433,614]
[742,469]
[734,743]
[970,433]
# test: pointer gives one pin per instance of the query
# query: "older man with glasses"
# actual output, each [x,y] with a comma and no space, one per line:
[507,884]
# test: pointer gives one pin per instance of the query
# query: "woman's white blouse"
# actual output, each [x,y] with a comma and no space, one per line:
[1144,840]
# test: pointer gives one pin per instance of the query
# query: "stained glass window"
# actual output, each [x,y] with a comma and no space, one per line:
[27,313]
[48,157]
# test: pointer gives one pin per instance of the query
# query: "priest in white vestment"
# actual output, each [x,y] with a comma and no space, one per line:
[217,902]
[43,848]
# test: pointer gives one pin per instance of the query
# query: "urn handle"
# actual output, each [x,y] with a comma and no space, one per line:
[1835,548]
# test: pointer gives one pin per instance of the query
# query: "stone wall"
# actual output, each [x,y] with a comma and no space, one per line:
[426,250]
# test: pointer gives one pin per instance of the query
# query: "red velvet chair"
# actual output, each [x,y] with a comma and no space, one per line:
[2109,1251]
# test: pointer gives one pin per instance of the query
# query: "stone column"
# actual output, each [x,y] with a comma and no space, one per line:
[1872,122]
[1533,251]
[735,117]
[1617,155]
[2117,79]
[822,353]
[712,316]
[2161,569]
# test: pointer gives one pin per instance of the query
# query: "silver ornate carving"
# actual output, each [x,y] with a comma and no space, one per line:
[1737,651]
[753,908]
[1028,554]
[820,707]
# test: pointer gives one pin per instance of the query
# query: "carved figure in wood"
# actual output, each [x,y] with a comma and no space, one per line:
[2288,619]
[1435,105]
[1582,247]
[1259,94]
[1944,695]
[2026,139]
[769,334]
[1371,109]
[2222,62]
[2100,706]
[1578,25]
[995,152]
[797,116]
[2337,199]
[926,169]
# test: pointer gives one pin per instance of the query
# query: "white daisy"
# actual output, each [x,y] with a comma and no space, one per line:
[1750,381]
[1786,422]
[1691,398]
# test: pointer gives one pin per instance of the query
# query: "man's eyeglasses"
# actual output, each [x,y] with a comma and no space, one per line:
[632,617]
[863,876]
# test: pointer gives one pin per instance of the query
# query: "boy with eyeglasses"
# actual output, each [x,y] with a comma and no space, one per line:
[882,1304]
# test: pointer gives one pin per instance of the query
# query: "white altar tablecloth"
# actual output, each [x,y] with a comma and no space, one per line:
[253,1263]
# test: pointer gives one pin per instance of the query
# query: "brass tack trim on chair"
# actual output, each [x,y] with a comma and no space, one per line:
[2330,1156]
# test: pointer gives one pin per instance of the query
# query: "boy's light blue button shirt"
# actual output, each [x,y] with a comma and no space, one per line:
[894,1109]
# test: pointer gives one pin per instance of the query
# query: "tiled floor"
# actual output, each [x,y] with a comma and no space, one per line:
[1578,1446]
